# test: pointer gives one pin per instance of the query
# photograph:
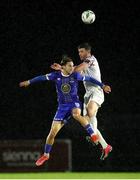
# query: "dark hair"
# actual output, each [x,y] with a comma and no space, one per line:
[65,60]
[87,46]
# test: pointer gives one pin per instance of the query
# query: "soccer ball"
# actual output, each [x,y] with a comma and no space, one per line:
[88,17]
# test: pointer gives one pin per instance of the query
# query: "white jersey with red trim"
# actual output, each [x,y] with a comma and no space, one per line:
[92,70]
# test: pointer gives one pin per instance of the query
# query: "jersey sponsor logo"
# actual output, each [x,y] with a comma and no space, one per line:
[58,79]
[65,88]
[71,80]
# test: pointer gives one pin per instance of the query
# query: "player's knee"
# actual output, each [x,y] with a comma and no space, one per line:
[92,109]
[91,113]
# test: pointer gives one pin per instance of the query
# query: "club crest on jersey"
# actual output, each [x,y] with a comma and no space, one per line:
[65,88]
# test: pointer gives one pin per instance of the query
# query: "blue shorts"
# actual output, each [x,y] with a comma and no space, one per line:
[64,111]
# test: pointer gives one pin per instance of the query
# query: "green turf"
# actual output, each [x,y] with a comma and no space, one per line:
[67,175]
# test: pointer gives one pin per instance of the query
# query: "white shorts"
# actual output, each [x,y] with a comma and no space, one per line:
[96,95]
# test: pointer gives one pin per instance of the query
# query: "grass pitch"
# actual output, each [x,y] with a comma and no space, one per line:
[70,175]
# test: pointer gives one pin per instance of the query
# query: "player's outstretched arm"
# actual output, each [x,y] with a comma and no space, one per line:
[32,81]
[106,88]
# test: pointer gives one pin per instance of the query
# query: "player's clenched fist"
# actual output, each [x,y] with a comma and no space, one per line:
[106,88]
[24,84]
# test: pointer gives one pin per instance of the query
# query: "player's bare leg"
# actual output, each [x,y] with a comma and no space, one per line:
[55,128]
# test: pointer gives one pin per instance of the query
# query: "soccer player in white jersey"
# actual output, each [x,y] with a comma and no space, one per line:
[94,96]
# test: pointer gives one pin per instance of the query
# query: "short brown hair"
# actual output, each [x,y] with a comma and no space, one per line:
[65,60]
[87,46]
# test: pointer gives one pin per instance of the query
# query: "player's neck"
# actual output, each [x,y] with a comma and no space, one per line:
[88,56]
[64,73]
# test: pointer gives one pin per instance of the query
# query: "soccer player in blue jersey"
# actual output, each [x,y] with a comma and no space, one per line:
[94,95]
[68,102]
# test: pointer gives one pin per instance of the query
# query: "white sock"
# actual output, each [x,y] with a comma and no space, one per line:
[102,140]
[96,131]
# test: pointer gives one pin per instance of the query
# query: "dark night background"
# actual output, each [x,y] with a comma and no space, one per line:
[33,35]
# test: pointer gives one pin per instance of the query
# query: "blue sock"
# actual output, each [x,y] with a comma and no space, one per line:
[89,129]
[47,148]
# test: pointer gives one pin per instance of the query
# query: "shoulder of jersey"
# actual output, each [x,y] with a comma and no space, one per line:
[92,58]
[57,72]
